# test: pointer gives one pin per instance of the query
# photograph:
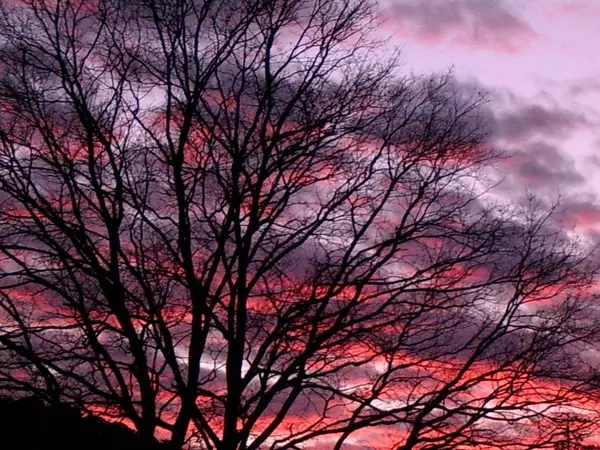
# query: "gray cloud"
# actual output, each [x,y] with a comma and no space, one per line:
[529,120]
[583,212]
[479,23]
[531,131]
[584,86]
[513,118]
[541,164]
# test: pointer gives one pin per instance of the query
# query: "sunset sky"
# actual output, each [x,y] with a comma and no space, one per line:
[538,61]
[235,263]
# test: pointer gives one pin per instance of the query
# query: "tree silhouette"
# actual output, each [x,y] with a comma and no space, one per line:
[236,224]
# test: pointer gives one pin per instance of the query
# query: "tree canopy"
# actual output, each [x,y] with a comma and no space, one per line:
[239,225]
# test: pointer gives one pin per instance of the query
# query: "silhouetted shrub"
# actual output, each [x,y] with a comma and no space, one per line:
[29,424]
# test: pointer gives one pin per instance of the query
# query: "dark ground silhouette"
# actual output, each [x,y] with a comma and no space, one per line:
[28,424]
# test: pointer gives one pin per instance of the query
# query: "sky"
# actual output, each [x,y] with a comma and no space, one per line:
[538,62]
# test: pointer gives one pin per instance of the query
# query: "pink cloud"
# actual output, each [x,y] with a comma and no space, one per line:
[576,8]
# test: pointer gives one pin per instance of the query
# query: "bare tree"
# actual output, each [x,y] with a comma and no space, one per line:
[235,224]
[579,432]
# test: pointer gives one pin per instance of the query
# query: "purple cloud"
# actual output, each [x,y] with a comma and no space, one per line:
[583,213]
[584,86]
[489,24]
[529,120]
[516,120]
[541,164]
[533,130]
